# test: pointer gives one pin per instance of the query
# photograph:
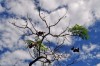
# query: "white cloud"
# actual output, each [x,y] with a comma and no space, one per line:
[49,5]
[94,6]
[89,48]
[98,55]
[98,64]
[88,52]
[1,8]
[21,54]
[10,36]
[14,58]
[20,7]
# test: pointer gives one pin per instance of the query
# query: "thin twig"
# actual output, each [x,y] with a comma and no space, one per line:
[31,23]
[23,27]
[59,45]
[65,30]
[43,19]
[58,20]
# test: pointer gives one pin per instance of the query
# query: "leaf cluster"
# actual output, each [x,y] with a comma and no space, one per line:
[31,43]
[80,31]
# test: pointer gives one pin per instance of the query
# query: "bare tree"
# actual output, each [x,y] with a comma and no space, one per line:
[43,52]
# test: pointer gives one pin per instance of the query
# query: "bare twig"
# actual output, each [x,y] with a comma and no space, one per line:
[65,30]
[30,54]
[58,20]
[31,23]
[43,19]
[23,27]
[60,35]
[59,45]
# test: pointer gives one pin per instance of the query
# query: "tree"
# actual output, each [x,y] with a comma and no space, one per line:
[42,51]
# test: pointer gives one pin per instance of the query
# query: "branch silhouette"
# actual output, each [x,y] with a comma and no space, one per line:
[47,60]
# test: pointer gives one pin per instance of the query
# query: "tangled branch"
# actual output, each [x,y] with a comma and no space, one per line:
[41,48]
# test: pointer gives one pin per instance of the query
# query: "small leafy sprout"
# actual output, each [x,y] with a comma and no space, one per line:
[75,49]
[43,47]
[80,31]
[32,44]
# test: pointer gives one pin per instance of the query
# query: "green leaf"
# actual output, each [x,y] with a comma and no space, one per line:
[29,42]
[39,42]
[80,31]
[32,43]
[43,47]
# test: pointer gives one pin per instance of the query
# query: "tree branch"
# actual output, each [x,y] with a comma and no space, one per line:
[23,27]
[43,19]
[58,20]
[31,23]
[47,60]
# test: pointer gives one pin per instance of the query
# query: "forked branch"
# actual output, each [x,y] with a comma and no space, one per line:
[47,60]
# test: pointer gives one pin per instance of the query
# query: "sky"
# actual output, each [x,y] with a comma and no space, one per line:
[13,50]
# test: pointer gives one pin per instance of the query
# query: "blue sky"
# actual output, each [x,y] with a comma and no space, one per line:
[13,50]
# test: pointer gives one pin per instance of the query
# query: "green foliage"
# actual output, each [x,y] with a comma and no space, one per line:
[43,47]
[38,43]
[29,42]
[80,31]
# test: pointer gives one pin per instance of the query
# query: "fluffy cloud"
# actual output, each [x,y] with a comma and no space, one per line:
[1,8]
[46,4]
[98,55]
[21,54]
[89,52]
[20,7]
[98,64]
[89,48]
[94,5]
[14,58]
